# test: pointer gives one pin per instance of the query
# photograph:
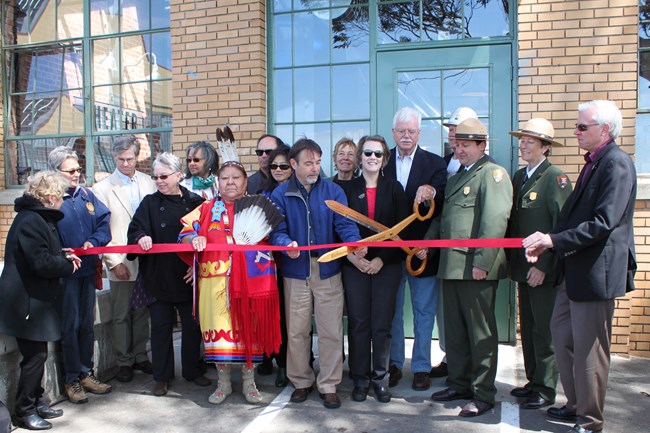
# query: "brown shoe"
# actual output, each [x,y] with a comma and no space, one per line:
[421,381]
[160,389]
[75,393]
[330,400]
[300,394]
[395,374]
[475,408]
[92,384]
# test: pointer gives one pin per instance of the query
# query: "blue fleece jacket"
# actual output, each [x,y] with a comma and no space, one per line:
[86,219]
[326,226]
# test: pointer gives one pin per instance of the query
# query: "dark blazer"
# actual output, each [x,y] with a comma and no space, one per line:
[430,169]
[391,207]
[595,236]
[536,206]
[30,285]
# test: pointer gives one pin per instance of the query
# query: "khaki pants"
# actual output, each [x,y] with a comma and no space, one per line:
[325,299]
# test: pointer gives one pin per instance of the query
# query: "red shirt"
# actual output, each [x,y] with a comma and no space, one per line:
[371,196]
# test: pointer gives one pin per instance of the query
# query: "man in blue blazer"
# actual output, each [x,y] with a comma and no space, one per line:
[595,242]
[423,176]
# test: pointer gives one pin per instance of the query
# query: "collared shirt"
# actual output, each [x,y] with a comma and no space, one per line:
[403,167]
[132,187]
[590,157]
[529,172]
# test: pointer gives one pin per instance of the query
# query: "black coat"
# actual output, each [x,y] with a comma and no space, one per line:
[430,169]
[595,238]
[30,285]
[159,216]
[391,207]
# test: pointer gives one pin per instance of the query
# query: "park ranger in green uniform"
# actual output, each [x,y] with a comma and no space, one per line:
[477,205]
[540,190]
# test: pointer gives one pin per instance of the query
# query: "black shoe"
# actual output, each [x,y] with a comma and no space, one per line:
[359,393]
[144,366]
[535,402]
[125,374]
[46,412]
[382,393]
[266,367]
[449,394]
[562,413]
[439,370]
[523,391]
[475,408]
[395,374]
[281,379]
[32,422]
[421,381]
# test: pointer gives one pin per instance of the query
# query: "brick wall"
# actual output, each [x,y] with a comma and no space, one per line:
[574,51]
[219,72]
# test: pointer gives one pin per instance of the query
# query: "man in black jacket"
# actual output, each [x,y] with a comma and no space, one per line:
[595,242]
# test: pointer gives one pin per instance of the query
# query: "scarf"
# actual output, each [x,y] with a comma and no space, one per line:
[202,183]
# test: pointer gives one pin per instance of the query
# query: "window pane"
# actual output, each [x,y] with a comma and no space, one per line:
[281,6]
[431,136]
[642,147]
[107,113]
[644,80]
[104,15]
[442,20]
[311,39]
[466,88]
[282,40]
[489,19]
[350,35]
[105,58]
[135,104]
[137,62]
[160,18]
[34,21]
[351,92]
[135,15]
[312,99]
[285,132]
[161,48]
[70,19]
[283,96]
[320,133]
[161,108]
[48,69]
[398,22]
[28,157]
[420,90]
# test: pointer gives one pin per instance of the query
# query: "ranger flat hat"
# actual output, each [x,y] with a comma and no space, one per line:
[538,128]
[471,129]
[461,113]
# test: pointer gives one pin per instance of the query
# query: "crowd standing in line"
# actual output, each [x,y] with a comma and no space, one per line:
[566,302]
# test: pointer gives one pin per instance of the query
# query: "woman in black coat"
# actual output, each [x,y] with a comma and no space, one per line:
[30,290]
[371,282]
[165,277]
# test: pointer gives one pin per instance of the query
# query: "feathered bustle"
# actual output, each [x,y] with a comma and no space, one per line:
[255,217]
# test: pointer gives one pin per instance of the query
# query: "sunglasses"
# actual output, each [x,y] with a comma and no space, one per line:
[161,177]
[378,153]
[194,160]
[582,127]
[260,152]
[282,167]
[71,172]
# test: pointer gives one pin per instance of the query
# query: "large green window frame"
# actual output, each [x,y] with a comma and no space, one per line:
[642,148]
[79,73]
[322,55]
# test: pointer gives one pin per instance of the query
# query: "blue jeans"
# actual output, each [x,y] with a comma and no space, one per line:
[424,299]
[78,319]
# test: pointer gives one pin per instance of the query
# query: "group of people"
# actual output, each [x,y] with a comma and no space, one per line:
[568,273]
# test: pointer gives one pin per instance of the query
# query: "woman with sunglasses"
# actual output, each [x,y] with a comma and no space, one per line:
[85,225]
[166,279]
[202,163]
[371,282]
[280,171]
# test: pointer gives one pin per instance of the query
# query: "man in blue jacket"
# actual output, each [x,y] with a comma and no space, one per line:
[309,285]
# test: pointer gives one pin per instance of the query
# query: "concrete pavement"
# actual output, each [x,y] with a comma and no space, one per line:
[131,407]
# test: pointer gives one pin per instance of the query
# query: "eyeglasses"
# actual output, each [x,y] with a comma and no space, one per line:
[260,152]
[378,153]
[194,160]
[283,167]
[161,177]
[582,127]
[402,131]
[71,172]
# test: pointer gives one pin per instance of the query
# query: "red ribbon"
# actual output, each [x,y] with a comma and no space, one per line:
[175,248]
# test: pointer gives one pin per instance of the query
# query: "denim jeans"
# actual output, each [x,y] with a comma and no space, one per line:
[78,319]
[424,299]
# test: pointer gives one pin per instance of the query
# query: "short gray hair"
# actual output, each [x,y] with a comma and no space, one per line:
[169,160]
[606,113]
[405,114]
[57,157]
[120,144]
[46,183]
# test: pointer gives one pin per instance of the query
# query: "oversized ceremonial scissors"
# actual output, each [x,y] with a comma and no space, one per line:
[383,232]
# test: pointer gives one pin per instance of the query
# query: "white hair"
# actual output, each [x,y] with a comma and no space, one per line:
[605,113]
[405,114]
[169,160]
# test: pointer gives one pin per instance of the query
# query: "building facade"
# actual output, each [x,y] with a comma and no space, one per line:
[80,72]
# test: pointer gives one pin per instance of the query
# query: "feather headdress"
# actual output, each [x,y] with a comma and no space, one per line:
[255,217]
[226,144]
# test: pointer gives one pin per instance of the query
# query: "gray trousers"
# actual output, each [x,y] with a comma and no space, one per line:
[130,327]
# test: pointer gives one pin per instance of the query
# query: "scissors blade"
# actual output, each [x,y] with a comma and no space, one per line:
[355,216]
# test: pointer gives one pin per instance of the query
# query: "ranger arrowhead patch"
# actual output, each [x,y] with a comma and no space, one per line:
[562,181]
[498,175]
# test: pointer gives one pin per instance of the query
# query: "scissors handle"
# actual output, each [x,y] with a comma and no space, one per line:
[416,210]
[409,265]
